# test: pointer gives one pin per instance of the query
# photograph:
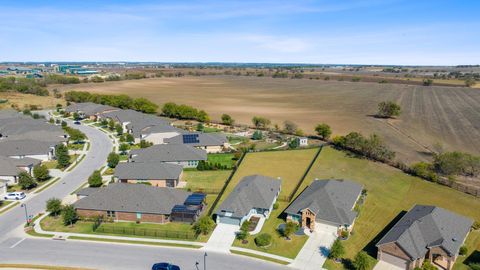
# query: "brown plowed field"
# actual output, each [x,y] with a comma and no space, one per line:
[447,115]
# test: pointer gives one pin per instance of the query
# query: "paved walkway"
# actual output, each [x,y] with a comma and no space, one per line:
[316,249]
[264,254]
[222,238]
[383,265]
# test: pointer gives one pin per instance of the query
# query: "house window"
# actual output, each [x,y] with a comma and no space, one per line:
[111,214]
[139,215]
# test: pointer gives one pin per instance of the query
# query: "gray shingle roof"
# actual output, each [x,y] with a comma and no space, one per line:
[89,108]
[134,198]
[24,147]
[19,128]
[8,167]
[330,200]
[137,121]
[254,191]
[205,139]
[168,153]
[87,191]
[427,226]
[147,170]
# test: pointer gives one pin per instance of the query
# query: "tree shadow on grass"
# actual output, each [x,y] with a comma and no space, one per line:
[473,258]
[370,248]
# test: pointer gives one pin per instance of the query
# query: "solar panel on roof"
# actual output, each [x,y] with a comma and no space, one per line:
[190,138]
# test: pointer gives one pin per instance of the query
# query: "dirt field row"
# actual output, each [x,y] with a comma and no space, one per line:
[446,115]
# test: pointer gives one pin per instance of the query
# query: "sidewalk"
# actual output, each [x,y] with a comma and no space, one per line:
[264,254]
[65,235]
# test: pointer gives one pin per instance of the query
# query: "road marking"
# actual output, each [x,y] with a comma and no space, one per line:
[16,244]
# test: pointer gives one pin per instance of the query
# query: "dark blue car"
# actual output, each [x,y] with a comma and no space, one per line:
[165,266]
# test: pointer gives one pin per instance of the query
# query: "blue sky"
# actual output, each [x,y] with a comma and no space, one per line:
[414,32]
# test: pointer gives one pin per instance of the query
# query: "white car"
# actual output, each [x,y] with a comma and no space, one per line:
[14,196]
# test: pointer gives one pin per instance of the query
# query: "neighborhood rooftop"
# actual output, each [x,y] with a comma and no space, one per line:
[147,170]
[329,200]
[198,139]
[24,147]
[255,191]
[168,152]
[133,198]
[89,108]
[426,226]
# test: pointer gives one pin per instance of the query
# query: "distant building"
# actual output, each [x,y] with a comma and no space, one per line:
[303,141]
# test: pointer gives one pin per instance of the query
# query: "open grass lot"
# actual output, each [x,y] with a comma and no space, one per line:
[22,100]
[389,191]
[450,115]
[199,180]
[223,159]
[288,165]
[279,246]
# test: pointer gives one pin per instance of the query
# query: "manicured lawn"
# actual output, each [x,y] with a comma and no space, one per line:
[473,245]
[109,171]
[288,165]
[237,139]
[51,164]
[223,159]
[205,180]
[211,129]
[123,157]
[279,246]
[75,146]
[389,191]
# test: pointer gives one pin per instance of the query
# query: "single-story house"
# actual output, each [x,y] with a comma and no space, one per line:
[185,155]
[85,192]
[127,202]
[19,127]
[34,149]
[89,109]
[210,142]
[156,173]
[11,167]
[328,202]
[253,195]
[424,233]
[134,122]
[302,141]
[157,134]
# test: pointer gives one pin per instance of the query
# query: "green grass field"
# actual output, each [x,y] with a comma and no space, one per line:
[200,180]
[223,159]
[279,246]
[389,191]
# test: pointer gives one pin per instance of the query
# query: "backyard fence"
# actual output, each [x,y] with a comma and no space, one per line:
[206,190]
[115,229]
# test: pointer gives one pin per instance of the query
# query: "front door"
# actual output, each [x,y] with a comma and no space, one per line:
[308,222]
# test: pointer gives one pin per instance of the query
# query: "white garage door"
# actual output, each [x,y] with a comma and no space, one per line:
[230,220]
[394,260]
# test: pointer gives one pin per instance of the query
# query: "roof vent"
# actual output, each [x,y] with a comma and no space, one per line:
[454,239]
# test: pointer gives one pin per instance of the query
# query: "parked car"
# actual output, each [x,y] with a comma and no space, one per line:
[14,196]
[77,123]
[165,266]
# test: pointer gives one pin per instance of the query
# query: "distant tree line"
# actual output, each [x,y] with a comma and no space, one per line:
[23,85]
[119,101]
[182,111]
[371,147]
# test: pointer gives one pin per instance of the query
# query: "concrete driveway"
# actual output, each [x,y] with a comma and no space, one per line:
[316,249]
[222,238]
[383,265]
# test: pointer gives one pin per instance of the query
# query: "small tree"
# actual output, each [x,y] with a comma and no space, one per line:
[41,172]
[257,135]
[243,233]
[260,122]
[290,228]
[95,180]
[337,250]
[145,144]
[469,82]
[463,250]
[200,127]
[388,109]
[104,122]
[129,138]
[204,225]
[119,129]
[227,120]
[76,135]
[294,143]
[63,159]
[76,116]
[324,131]
[69,215]
[113,159]
[111,124]
[123,148]
[361,261]
[427,82]
[263,240]
[54,206]
[26,181]
[290,127]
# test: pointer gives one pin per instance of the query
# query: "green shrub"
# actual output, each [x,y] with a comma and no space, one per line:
[463,250]
[263,240]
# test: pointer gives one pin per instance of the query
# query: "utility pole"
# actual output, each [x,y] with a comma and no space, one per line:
[26,211]
[205,261]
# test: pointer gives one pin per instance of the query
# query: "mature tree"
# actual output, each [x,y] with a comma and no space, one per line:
[61,153]
[111,124]
[361,261]
[294,143]
[76,116]
[41,172]
[129,138]
[227,120]
[337,250]
[113,159]
[95,180]
[54,206]
[323,130]
[427,82]
[260,122]
[290,127]
[388,109]
[290,228]
[26,181]
[76,135]
[144,105]
[119,129]
[123,148]
[69,215]
[469,82]
[204,225]
[145,144]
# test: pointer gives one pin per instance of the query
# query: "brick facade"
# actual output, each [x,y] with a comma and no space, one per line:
[436,255]
[124,216]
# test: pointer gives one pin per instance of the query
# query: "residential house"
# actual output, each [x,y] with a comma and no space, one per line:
[302,141]
[253,195]
[11,167]
[20,149]
[329,202]
[158,133]
[210,142]
[157,174]
[127,202]
[185,155]
[89,110]
[424,233]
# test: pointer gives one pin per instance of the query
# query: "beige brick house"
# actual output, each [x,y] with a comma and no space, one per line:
[157,174]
